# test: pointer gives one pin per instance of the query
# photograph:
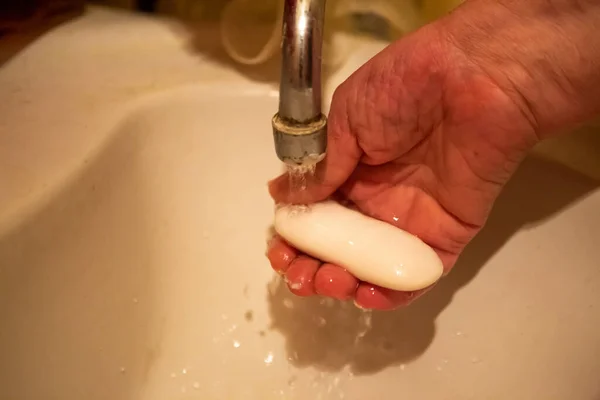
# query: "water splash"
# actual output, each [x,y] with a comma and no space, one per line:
[299,174]
[366,321]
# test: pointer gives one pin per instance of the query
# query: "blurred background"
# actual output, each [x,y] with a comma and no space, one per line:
[248,31]
[16,14]
[18,11]
[245,35]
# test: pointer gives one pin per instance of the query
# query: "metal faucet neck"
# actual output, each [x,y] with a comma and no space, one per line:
[300,86]
[299,128]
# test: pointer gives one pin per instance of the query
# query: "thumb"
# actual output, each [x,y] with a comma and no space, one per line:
[343,154]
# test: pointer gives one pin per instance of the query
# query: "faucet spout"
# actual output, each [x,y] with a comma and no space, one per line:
[300,128]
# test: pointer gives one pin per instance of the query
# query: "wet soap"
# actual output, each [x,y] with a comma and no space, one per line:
[372,250]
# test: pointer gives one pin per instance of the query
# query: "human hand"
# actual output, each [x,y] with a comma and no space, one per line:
[423,137]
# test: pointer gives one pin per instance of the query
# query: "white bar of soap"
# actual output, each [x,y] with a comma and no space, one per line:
[372,250]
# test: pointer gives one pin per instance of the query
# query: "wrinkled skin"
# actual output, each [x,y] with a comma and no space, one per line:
[424,142]
[423,137]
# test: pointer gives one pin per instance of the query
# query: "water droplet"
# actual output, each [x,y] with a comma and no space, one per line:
[269,359]
[122,370]
[475,360]
[287,303]
[273,284]
[196,385]
[445,361]
[296,286]
[236,344]
[327,302]
[184,371]
[292,380]
[293,357]
[459,333]
[135,300]
[232,328]
[438,368]
[173,374]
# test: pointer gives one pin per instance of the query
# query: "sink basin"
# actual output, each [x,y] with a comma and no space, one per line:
[139,273]
[144,277]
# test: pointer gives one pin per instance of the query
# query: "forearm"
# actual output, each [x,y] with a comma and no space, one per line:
[545,54]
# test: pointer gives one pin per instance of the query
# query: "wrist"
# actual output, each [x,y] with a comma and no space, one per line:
[544,54]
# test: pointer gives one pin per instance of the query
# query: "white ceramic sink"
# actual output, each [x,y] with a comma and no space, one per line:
[139,273]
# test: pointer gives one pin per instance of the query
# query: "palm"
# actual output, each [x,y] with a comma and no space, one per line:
[424,142]
[403,198]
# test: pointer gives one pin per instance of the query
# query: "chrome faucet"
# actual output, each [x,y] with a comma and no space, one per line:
[300,128]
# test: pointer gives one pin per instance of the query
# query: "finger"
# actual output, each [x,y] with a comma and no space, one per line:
[301,274]
[336,282]
[370,296]
[280,254]
[343,154]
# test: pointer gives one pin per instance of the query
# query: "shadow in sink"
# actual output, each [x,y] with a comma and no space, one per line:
[203,39]
[331,335]
[76,288]
[22,23]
